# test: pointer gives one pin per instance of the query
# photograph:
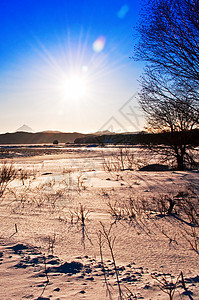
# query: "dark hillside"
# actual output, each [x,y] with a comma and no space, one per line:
[38,138]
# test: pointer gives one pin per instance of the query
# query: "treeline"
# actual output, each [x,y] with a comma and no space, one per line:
[167,138]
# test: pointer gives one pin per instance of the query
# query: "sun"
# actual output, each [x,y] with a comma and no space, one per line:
[74,87]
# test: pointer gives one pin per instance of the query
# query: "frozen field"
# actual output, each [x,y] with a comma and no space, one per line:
[60,214]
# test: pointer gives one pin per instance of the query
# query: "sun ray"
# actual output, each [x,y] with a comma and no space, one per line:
[72,71]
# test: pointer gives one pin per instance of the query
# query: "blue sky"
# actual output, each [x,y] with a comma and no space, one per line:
[64,65]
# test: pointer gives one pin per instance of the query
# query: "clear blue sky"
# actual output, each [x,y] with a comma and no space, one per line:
[64,65]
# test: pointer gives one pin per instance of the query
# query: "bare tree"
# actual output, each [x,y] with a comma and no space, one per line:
[169,44]
[170,108]
[169,39]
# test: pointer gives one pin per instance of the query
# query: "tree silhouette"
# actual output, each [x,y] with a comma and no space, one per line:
[169,44]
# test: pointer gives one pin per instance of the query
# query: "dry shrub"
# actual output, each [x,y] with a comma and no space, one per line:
[183,203]
[168,284]
[133,211]
[125,158]
[106,239]
[79,215]
[181,209]
[188,205]
[120,160]
[70,183]
[122,210]
[7,174]
[23,175]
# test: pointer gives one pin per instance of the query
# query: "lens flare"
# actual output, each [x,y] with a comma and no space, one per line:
[99,44]
[123,11]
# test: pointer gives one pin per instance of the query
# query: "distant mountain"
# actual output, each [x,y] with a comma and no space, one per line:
[24,128]
[103,132]
[51,131]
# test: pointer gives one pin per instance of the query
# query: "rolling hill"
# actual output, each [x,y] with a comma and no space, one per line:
[39,137]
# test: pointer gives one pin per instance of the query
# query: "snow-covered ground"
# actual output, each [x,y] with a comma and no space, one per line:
[53,221]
